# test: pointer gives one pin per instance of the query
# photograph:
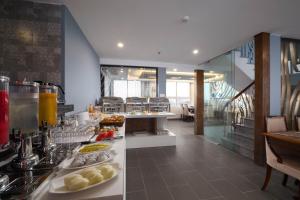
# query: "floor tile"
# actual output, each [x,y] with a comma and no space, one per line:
[228,190]
[159,194]
[200,186]
[183,193]
[139,195]
[134,180]
[196,168]
[259,195]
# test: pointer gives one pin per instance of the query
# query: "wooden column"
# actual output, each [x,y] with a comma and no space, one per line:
[262,93]
[199,102]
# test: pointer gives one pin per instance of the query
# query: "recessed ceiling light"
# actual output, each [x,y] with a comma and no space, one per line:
[195,51]
[175,70]
[185,19]
[120,45]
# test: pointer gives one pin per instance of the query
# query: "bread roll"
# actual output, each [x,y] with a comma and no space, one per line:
[95,178]
[108,174]
[107,171]
[105,168]
[88,171]
[69,178]
[77,183]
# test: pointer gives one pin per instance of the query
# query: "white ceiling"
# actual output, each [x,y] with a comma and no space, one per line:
[149,26]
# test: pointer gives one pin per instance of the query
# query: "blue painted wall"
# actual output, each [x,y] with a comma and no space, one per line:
[275,83]
[82,70]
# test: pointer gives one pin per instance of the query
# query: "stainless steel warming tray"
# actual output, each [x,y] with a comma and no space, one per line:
[112,104]
[139,104]
[159,104]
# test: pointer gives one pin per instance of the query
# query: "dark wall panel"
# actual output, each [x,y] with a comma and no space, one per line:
[31,41]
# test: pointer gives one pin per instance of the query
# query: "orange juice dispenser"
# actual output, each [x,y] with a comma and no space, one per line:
[48,105]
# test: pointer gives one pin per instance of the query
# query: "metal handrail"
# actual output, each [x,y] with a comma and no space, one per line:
[238,95]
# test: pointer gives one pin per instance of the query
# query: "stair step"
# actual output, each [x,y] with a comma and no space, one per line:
[238,147]
[240,138]
[249,122]
[243,129]
[244,126]
[244,135]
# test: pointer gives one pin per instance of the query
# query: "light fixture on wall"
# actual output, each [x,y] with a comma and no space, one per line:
[120,45]
[195,51]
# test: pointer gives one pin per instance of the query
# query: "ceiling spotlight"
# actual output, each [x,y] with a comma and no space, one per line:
[195,51]
[185,19]
[174,70]
[120,45]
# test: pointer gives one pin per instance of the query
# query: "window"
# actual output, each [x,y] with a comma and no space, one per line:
[128,81]
[120,88]
[180,92]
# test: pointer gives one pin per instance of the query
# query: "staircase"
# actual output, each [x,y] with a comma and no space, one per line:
[239,117]
[241,138]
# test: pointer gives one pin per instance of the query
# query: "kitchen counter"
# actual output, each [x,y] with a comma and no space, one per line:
[112,190]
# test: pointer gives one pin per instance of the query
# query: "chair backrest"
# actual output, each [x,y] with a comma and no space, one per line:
[276,124]
[185,109]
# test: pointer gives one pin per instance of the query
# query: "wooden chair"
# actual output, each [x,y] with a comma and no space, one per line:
[187,115]
[288,166]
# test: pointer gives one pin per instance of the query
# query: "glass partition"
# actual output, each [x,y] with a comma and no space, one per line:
[229,99]
[126,82]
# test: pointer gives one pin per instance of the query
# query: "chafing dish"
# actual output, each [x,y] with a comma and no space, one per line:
[112,104]
[138,104]
[159,104]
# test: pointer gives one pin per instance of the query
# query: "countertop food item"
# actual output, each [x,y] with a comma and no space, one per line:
[75,182]
[105,134]
[89,159]
[93,147]
[88,176]
[68,179]
[116,120]
[107,171]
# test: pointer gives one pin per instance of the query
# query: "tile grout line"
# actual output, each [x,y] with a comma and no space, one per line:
[168,189]
[143,180]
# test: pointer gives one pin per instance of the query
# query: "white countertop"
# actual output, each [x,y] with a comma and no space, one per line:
[112,190]
[148,115]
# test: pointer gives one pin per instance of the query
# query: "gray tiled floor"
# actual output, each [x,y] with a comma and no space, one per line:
[197,169]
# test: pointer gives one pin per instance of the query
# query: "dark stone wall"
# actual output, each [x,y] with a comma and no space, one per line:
[31,41]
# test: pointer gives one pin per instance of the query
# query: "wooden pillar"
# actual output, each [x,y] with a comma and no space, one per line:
[262,93]
[199,102]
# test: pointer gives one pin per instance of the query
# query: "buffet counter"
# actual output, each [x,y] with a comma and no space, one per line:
[112,190]
[148,130]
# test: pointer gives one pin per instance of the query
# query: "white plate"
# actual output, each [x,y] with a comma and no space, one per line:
[57,185]
[66,164]
[77,151]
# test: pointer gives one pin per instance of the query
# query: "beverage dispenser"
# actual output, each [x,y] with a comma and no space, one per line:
[4,111]
[23,115]
[24,103]
[48,105]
